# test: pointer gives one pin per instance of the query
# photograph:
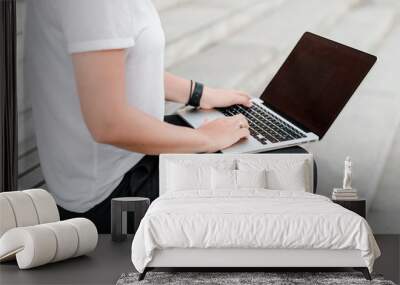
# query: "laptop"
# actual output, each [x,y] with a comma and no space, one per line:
[301,101]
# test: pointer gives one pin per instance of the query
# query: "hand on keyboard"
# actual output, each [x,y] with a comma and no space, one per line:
[264,125]
[215,98]
[224,132]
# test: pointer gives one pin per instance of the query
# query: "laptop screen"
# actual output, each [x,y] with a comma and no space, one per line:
[316,81]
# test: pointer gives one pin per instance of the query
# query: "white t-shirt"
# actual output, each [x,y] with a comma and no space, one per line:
[79,172]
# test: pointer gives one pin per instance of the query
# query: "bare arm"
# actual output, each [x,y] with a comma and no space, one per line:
[100,78]
[177,89]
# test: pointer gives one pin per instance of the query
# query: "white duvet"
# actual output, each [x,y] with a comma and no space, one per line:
[250,219]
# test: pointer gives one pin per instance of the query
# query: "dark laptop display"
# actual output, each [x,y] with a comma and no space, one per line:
[316,81]
[302,100]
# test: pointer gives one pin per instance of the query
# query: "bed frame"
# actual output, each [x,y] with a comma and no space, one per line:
[234,259]
[244,259]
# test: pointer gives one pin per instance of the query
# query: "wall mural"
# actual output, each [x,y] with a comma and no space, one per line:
[367,130]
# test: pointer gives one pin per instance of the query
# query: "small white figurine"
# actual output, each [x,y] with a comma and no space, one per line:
[347,174]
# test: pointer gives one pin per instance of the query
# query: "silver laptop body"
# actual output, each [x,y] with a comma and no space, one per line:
[196,118]
[302,100]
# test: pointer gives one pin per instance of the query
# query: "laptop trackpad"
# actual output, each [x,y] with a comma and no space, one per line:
[196,118]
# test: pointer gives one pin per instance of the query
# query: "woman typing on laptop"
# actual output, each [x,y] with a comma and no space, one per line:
[95,73]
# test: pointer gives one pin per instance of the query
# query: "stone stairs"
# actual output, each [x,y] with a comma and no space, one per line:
[194,25]
[368,128]
[163,5]
[241,44]
[259,48]
[248,58]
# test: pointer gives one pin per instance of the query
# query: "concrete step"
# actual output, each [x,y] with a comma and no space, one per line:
[162,5]
[281,36]
[247,59]
[221,66]
[207,22]
[33,179]
[356,29]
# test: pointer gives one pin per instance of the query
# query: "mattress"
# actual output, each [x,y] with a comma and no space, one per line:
[250,219]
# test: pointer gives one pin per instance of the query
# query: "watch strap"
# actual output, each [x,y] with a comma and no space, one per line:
[196,95]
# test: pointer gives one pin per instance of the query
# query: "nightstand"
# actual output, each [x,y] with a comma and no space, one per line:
[119,208]
[358,206]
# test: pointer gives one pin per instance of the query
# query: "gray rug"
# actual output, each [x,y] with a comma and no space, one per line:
[243,278]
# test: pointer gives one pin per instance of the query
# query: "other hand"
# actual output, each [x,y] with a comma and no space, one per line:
[214,98]
[224,132]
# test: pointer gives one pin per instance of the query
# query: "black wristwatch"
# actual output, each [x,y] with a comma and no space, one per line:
[195,97]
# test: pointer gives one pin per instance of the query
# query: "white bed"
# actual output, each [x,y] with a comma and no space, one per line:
[247,227]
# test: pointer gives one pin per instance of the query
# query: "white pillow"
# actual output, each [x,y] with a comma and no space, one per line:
[226,179]
[223,179]
[251,178]
[183,178]
[291,175]
[292,178]
[189,173]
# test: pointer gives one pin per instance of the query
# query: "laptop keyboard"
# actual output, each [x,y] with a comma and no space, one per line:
[265,126]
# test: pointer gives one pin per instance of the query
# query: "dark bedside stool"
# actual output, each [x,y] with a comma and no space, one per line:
[357,206]
[119,209]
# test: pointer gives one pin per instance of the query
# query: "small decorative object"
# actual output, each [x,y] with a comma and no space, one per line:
[347,192]
[347,179]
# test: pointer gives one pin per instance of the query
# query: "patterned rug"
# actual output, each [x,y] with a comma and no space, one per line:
[253,278]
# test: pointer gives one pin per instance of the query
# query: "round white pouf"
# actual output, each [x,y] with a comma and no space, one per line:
[87,234]
[33,246]
[6,215]
[23,208]
[45,205]
[67,240]
[40,244]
